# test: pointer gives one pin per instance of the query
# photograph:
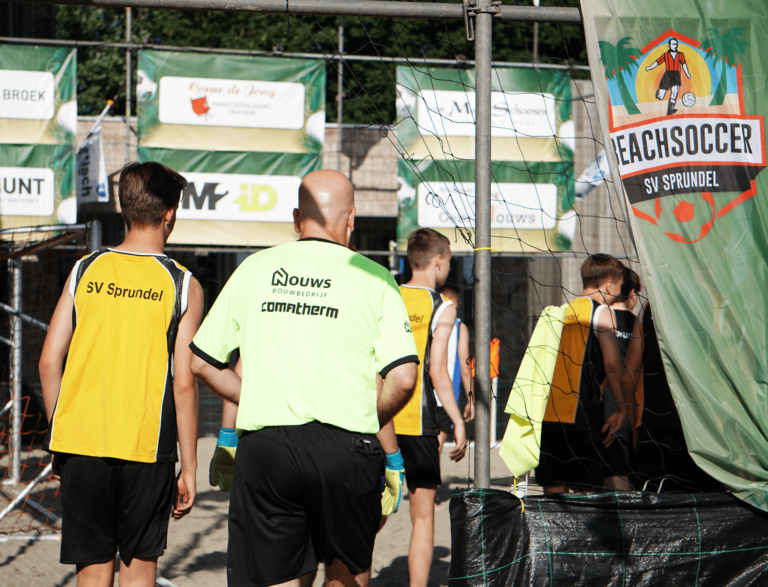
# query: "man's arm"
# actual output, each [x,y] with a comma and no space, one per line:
[55,349]
[396,391]
[386,436]
[223,382]
[466,372]
[185,395]
[685,68]
[606,336]
[441,380]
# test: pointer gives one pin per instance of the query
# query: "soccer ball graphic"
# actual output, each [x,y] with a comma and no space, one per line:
[689,99]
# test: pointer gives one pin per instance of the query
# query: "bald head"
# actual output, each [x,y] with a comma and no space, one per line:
[326,205]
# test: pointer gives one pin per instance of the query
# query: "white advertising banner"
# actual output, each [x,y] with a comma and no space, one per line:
[451,113]
[91,171]
[513,205]
[228,196]
[233,103]
[27,94]
[26,191]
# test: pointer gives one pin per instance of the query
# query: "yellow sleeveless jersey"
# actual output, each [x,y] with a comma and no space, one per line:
[576,390]
[116,397]
[419,416]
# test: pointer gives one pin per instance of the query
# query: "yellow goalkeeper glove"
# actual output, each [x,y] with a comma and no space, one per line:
[394,477]
[223,461]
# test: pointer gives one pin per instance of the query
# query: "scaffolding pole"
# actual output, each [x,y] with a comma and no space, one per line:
[14,269]
[380,8]
[482,273]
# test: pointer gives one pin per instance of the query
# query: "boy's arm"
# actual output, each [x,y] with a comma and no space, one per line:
[466,372]
[606,336]
[55,349]
[185,396]
[441,380]
[633,368]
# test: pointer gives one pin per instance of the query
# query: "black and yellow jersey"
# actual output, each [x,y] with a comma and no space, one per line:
[574,397]
[116,398]
[419,416]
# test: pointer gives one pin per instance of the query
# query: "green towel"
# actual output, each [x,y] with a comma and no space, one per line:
[528,399]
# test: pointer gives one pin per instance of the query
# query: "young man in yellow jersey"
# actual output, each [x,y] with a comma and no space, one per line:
[572,455]
[126,397]
[432,319]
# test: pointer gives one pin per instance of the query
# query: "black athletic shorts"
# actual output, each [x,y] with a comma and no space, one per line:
[422,460]
[444,422]
[302,495]
[111,505]
[662,455]
[670,79]
[620,457]
[570,455]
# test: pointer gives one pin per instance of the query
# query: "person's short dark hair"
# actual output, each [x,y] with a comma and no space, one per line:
[599,268]
[631,282]
[424,245]
[147,191]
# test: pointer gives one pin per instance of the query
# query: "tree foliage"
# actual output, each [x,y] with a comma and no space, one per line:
[369,92]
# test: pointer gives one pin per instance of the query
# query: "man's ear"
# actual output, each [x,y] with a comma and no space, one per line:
[296,227]
[168,216]
[351,220]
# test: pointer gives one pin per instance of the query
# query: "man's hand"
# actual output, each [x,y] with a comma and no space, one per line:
[469,409]
[187,491]
[460,435]
[222,466]
[394,477]
[612,426]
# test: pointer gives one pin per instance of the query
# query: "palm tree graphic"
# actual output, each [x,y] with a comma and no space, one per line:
[726,49]
[616,58]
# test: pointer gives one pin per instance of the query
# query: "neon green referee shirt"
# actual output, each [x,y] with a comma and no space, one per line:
[314,323]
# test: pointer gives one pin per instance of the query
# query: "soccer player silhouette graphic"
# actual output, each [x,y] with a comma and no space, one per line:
[674,61]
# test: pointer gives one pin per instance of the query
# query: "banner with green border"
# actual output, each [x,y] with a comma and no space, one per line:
[532,150]
[242,130]
[38,125]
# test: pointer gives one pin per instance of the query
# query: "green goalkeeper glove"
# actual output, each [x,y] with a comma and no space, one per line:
[223,461]
[394,477]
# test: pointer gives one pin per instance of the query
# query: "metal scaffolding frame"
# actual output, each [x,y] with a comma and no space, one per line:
[478,16]
[92,232]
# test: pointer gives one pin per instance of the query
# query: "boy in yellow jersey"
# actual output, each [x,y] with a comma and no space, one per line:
[124,323]
[571,448]
[432,319]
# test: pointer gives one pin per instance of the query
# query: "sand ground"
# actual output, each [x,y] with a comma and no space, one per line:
[196,555]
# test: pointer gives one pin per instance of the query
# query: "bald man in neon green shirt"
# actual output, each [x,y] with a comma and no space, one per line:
[315,323]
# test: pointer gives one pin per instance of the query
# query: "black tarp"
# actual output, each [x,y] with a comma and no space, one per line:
[632,538]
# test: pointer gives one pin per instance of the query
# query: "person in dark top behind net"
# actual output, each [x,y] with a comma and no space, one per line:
[662,462]
[620,455]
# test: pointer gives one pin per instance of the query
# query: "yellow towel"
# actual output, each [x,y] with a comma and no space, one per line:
[520,448]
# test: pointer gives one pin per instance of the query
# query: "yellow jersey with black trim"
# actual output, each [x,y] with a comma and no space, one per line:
[419,416]
[116,398]
[575,395]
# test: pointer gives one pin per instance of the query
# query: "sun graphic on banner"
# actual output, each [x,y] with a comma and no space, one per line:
[700,83]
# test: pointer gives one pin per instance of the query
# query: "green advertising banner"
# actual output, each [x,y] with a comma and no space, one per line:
[242,130]
[38,124]
[532,148]
[681,91]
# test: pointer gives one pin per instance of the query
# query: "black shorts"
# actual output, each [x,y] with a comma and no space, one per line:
[670,79]
[444,422]
[571,456]
[662,455]
[422,460]
[301,495]
[619,457]
[111,505]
